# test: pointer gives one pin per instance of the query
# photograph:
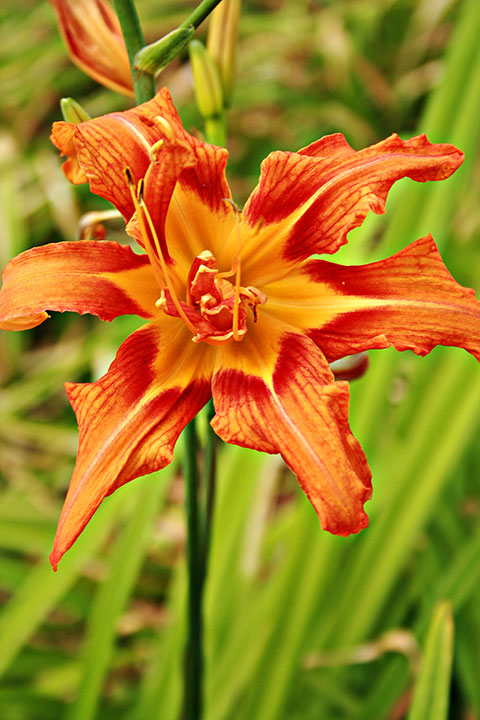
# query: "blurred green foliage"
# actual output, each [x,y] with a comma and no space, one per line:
[296,619]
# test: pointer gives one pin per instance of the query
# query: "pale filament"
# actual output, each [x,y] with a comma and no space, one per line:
[143,214]
[235,270]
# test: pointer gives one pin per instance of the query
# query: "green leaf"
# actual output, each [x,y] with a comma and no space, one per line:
[430,698]
[113,594]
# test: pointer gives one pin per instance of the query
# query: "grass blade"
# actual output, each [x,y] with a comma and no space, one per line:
[430,699]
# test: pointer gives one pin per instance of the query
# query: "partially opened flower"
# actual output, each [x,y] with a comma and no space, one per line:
[237,309]
[91,32]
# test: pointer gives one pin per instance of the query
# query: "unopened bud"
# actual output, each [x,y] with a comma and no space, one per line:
[208,86]
[155,57]
[72,111]
[222,42]
[94,40]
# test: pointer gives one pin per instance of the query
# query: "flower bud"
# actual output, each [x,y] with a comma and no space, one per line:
[91,32]
[222,42]
[208,86]
[72,111]
[155,57]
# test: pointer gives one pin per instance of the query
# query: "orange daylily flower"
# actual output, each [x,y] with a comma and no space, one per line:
[91,32]
[237,308]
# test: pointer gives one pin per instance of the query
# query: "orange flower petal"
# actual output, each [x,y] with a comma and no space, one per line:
[130,419]
[409,301]
[91,31]
[200,215]
[187,194]
[62,137]
[106,145]
[277,395]
[101,278]
[308,202]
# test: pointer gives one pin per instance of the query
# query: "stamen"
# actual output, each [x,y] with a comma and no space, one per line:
[238,269]
[143,229]
[164,126]
[168,279]
[142,214]
[155,149]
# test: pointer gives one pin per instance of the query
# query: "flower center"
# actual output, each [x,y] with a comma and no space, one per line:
[215,308]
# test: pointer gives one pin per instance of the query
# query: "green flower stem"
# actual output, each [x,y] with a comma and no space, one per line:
[143,83]
[194,650]
[209,484]
[199,525]
[200,13]
[216,131]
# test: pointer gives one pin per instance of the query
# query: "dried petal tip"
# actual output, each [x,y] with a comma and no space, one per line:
[350,367]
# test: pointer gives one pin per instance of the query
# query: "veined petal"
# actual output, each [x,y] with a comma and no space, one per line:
[409,301]
[201,215]
[105,146]
[101,278]
[308,202]
[130,419]
[277,395]
[187,196]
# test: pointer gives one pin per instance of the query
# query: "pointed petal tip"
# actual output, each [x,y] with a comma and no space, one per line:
[54,559]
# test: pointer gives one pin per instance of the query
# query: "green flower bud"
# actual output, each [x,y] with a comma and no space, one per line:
[222,42]
[207,83]
[155,57]
[72,111]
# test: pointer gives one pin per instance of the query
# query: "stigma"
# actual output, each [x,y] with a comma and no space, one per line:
[215,308]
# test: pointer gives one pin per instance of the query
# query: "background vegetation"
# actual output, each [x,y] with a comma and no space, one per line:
[300,624]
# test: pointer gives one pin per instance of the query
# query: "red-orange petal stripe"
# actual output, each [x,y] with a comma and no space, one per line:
[313,199]
[298,411]
[409,301]
[101,278]
[187,196]
[130,419]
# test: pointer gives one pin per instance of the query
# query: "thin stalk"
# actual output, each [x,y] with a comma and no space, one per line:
[143,83]
[209,484]
[200,13]
[199,524]
[194,651]
[216,131]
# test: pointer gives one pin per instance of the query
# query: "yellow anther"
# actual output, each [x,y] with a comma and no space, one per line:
[155,149]
[165,127]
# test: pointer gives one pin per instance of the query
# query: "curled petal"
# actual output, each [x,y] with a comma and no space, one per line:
[63,134]
[278,396]
[101,278]
[105,146]
[409,301]
[130,419]
[308,202]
